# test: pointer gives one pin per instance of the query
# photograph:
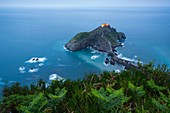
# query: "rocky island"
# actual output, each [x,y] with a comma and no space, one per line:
[104,39]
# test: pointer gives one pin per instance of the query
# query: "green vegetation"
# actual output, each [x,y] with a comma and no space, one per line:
[146,90]
[112,39]
[81,35]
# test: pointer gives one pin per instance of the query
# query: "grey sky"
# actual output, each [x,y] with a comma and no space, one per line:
[85,3]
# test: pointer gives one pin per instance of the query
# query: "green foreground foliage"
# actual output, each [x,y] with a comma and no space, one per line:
[146,90]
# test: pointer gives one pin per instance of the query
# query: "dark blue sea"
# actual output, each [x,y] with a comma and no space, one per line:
[28,33]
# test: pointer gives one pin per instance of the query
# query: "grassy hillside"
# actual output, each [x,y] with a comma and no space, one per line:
[146,90]
[81,36]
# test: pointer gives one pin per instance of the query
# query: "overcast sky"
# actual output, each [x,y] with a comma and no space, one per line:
[86,3]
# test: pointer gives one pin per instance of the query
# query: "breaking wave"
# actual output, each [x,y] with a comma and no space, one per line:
[125,58]
[56,77]
[65,48]
[36,60]
[95,57]
[33,70]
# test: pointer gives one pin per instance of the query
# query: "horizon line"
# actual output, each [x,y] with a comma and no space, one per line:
[73,6]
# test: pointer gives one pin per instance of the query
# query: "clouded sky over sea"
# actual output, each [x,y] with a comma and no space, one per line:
[86,3]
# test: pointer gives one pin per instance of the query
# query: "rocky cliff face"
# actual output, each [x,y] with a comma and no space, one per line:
[103,39]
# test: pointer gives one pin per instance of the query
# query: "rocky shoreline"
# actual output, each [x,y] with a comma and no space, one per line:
[115,59]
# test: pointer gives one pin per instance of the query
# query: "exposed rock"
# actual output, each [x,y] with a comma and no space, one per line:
[104,39]
[128,64]
[112,61]
[107,61]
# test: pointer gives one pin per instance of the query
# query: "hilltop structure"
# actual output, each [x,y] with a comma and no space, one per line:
[105,25]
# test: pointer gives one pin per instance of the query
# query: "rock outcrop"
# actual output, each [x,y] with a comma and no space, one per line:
[103,38]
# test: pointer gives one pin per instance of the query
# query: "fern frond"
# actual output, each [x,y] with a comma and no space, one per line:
[97,94]
[154,86]
[159,105]
[59,94]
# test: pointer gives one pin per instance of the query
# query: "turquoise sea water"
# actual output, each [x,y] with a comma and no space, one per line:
[27,33]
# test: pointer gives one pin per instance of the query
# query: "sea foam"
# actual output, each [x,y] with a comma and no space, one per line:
[56,77]
[122,44]
[125,58]
[36,60]
[105,64]
[22,72]
[22,69]
[135,56]
[117,71]
[33,70]
[128,59]
[94,57]
[41,64]
[65,48]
